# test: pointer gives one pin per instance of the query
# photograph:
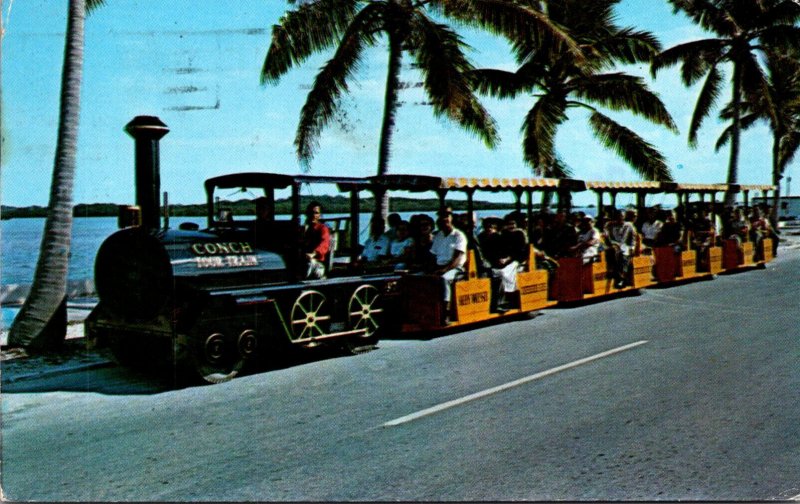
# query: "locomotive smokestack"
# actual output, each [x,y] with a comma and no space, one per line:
[147,131]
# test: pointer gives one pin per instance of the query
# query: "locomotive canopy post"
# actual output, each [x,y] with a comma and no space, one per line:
[355,212]
[529,210]
[146,132]
[470,211]
[441,194]
[518,199]
[296,211]
[599,205]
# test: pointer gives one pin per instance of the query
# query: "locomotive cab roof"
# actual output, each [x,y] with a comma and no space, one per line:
[275,181]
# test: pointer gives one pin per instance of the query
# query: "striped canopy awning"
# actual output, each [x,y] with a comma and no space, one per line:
[500,183]
[640,186]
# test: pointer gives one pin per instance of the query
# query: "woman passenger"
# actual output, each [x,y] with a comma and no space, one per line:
[401,247]
[589,240]
[670,233]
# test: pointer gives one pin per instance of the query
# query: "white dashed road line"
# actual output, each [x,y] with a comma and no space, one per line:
[506,386]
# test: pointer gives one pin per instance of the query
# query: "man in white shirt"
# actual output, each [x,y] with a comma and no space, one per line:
[377,245]
[450,249]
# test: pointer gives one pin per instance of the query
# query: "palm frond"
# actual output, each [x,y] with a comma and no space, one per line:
[787,36]
[709,14]
[628,46]
[784,12]
[697,54]
[638,153]
[705,102]
[498,83]
[445,70]
[331,82]
[560,168]
[312,27]
[92,5]
[517,21]
[745,123]
[788,149]
[755,83]
[619,91]
[539,131]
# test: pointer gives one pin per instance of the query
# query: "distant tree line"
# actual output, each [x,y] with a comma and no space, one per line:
[330,204]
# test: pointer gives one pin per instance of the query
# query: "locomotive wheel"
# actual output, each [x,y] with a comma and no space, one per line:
[365,311]
[217,358]
[309,316]
[248,345]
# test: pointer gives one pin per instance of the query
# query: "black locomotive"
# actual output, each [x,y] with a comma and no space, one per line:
[213,301]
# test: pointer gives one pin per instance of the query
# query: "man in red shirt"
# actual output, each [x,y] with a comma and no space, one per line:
[316,241]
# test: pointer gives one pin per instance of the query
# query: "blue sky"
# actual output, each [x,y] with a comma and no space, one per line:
[196,64]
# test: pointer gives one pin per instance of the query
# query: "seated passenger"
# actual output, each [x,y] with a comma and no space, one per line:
[489,242]
[737,227]
[394,220]
[513,251]
[621,236]
[704,231]
[376,248]
[704,237]
[559,237]
[225,216]
[401,248]
[670,233]
[422,233]
[589,240]
[316,242]
[759,227]
[651,225]
[538,234]
[449,247]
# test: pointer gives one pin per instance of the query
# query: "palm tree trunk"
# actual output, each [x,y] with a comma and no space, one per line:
[733,164]
[389,112]
[41,323]
[776,179]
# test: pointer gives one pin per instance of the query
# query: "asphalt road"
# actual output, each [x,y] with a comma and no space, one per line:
[689,392]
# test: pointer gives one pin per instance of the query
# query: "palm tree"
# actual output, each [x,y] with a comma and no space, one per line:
[41,323]
[780,108]
[741,29]
[408,26]
[560,80]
